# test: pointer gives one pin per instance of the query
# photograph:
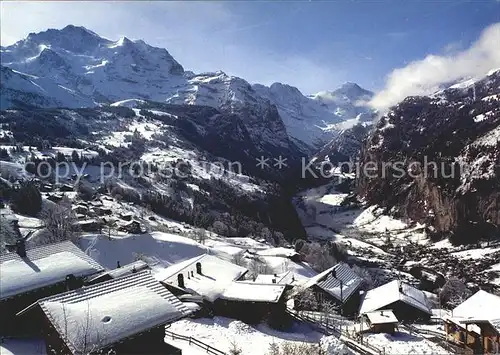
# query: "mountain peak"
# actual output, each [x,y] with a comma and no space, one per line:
[74,30]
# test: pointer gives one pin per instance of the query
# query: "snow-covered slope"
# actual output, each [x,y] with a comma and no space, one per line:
[18,88]
[98,70]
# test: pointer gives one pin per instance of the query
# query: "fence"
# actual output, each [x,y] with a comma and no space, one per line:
[326,324]
[193,341]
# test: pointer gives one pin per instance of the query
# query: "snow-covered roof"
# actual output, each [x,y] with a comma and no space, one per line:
[216,275]
[253,292]
[391,292]
[98,316]
[280,251]
[286,278]
[331,279]
[481,305]
[381,317]
[138,265]
[43,266]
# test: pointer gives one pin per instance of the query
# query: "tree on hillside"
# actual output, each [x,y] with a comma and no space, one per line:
[59,222]
[27,199]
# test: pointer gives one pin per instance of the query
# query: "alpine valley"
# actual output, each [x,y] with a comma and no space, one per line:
[113,145]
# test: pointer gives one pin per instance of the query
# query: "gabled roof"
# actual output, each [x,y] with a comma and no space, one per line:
[286,278]
[253,292]
[481,305]
[43,266]
[216,275]
[135,266]
[383,316]
[112,311]
[344,276]
[392,292]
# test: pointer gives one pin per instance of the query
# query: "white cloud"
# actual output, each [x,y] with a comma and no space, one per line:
[425,76]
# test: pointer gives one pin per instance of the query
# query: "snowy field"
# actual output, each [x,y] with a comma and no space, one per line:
[221,332]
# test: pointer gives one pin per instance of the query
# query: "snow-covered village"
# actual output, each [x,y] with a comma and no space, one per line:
[154,207]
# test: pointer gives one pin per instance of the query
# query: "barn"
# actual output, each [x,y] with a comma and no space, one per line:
[28,275]
[406,302]
[126,315]
[339,285]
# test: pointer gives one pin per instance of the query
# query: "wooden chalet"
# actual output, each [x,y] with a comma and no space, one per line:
[204,275]
[218,283]
[406,302]
[383,321]
[339,285]
[474,324]
[126,315]
[28,275]
[253,303]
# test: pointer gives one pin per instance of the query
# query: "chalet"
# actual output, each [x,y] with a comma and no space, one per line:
[103,211]
[253,303]
[430,279]
[80,209]
[89,225]
[132,227]
[28,275]
[339,285]
[406,302]
[204,275]
[383,321]
[125,315]
[282,252]
[126,216]
[124,270]
[490,335]
[470,323]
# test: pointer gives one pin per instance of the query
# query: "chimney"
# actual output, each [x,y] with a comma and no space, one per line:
[275,275]
[192,273]
[274,281]
[198,268]
[134,270]
[21,248]
[334,273]
[180,281]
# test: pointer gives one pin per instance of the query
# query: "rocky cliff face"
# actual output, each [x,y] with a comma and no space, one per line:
[437,160]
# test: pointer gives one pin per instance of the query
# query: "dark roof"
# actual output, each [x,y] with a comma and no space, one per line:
[43,266]
[109,312]
[331,284]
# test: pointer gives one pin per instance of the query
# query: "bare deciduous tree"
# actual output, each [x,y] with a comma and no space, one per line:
[454,292]
[59,221]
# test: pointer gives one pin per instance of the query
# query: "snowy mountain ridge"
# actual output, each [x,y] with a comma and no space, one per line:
[97,70]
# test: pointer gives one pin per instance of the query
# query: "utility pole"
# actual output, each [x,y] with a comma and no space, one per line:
[341,306]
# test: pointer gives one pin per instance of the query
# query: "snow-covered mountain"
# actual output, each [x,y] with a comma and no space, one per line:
[449,143]
[87,69]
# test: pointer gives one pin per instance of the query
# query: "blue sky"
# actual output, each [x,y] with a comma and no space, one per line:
[314,45]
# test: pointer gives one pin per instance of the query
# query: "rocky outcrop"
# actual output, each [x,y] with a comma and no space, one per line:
[437,160]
